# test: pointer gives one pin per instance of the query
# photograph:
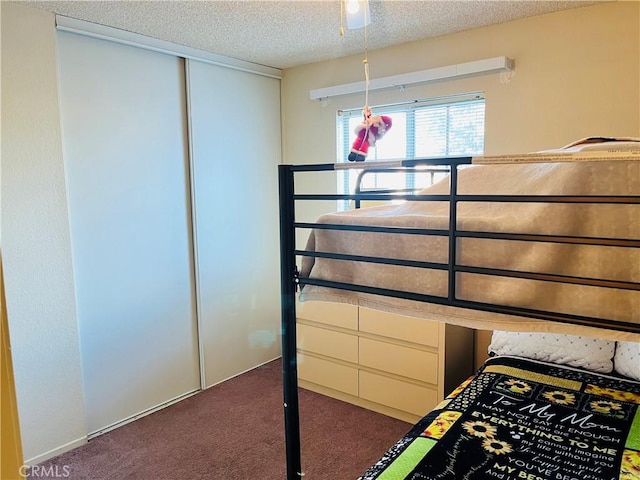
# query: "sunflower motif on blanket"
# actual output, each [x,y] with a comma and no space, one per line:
[460,388]
[559,397]
[495,446]
[474,432]
[441,424]
[517,386]
[480,429]
[606,407]
[630,468]
[613,394]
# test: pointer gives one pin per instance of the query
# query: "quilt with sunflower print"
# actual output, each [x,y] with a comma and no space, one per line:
[518,419]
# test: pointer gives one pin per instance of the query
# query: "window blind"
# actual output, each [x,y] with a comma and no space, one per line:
[439,127]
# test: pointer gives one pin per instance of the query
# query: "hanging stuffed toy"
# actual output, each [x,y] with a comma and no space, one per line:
[371,129]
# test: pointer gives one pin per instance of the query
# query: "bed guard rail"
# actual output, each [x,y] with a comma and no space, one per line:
[291,280]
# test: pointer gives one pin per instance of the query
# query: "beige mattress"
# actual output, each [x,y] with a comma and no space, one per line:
[598,176]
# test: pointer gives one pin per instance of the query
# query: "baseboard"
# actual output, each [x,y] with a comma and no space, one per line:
[56,451]
[81,441]
[144,413]
[243,372]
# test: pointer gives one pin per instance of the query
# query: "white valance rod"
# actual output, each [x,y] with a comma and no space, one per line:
[450,72]
[103,32]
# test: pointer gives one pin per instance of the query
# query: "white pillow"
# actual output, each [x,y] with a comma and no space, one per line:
[599,144]
[627,359]
[576,351]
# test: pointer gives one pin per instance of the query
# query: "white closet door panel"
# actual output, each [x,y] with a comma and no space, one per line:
[124,129]
[235,142]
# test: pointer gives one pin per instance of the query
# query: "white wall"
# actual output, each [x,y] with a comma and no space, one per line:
[36,243]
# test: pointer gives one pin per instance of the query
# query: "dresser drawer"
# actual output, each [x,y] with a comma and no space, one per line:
[410,329]
[397,394]
[405,361]
[328,342]
[336,314]
[328,374]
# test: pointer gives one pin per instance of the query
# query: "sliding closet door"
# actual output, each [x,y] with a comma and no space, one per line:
[126,159]
[235,143]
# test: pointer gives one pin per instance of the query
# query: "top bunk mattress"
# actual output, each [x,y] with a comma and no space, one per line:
[606,261]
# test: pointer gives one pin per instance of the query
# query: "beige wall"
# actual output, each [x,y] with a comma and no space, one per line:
[482,341]
[577,74]
[36,245]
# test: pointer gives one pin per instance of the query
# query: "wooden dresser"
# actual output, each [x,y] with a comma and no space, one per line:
[396,365]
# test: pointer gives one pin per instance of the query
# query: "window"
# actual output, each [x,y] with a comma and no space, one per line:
[444,127]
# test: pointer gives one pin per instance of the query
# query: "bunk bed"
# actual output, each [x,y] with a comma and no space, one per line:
[544,247]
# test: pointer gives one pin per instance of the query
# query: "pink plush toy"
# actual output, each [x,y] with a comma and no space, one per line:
[370,130]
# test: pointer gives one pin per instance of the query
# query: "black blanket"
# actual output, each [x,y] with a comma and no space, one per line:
[518,419]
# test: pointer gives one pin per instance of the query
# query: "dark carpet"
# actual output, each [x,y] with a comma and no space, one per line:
[235,431]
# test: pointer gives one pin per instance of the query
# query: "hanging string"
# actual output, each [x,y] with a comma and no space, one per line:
[342,18]
[366,111]
[366,55]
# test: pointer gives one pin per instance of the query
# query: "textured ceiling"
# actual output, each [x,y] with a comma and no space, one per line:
[285,34]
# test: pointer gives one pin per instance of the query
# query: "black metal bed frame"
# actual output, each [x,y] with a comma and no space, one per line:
[291,280]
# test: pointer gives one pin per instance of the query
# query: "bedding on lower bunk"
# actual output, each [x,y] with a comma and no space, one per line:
[522,419]
[599,221]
